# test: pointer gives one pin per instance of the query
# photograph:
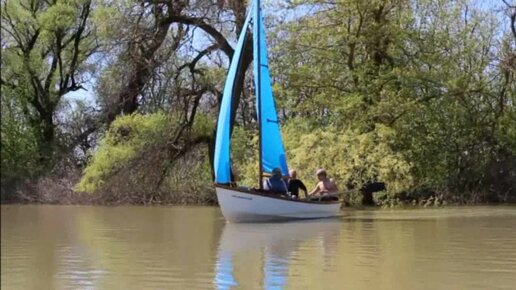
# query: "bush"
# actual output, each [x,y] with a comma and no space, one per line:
[124,141]
[137,162]
[349,157]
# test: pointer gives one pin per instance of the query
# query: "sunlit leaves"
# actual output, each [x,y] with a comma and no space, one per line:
[126,137]
[428,71]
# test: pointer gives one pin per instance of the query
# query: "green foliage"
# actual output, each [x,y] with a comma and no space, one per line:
[137,156]
[126,138]
[19,148]
[244,155]
[45,48]
[506,132]
[57,17]
[419,93]
[189,180]
[351,158]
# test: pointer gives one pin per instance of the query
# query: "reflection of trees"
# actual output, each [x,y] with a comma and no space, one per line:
[31,236]
[152,247]
[120,248]
[46,247]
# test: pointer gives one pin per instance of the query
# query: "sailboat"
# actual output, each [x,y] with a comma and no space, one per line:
[243,204]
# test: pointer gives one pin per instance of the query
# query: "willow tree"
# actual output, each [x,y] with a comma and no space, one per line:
[45,48]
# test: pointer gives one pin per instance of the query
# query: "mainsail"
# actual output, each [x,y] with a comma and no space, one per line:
[221,160]
[273,152]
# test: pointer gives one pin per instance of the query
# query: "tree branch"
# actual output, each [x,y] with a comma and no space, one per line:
[77,37]
[221,41]
[199,56]
[512,16]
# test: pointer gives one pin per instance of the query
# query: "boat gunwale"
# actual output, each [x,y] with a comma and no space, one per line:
[253,191]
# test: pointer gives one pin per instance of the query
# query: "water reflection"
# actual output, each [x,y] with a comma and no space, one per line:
[60,247]
[267,251]
[47,247]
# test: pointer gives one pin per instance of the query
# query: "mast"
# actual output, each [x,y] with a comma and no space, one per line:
[259,94]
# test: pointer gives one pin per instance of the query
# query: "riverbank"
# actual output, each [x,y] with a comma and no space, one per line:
[75,198]
[61,193]
[60,190]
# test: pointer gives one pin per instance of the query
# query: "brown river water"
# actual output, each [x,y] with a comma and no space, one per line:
[82,247]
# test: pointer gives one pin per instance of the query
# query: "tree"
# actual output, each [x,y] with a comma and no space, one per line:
[426,70]
[159,61]
[45,48]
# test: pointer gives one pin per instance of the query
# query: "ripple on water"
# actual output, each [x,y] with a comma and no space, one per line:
[190,248]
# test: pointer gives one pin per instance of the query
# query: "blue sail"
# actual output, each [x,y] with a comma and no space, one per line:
[221,162]
[273,152]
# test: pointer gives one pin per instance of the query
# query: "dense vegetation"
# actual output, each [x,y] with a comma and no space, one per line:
[116,101]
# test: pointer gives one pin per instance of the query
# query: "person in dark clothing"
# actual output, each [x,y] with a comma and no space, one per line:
[295,184]
[275,183]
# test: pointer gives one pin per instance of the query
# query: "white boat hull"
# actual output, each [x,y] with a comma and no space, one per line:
[238,206]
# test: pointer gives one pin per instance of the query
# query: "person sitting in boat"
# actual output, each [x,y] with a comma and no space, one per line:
[295,184]
[275,183]
[325,185]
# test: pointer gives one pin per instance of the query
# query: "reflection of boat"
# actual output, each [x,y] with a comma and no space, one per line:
[262,252]
[242,237]
[249,205]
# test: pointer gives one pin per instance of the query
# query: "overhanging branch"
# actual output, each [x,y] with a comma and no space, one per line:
[220,40]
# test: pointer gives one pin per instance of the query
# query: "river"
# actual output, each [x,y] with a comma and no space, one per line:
[83,247]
